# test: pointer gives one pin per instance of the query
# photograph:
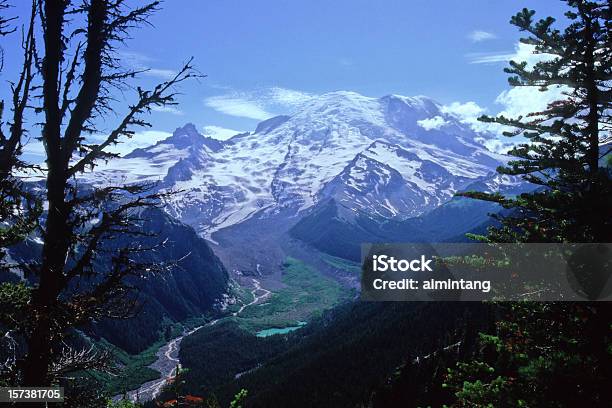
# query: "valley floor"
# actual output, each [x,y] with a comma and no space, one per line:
[303,292]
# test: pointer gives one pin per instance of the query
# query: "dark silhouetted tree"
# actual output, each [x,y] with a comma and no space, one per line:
[566,142]
[553,354]
[73,73]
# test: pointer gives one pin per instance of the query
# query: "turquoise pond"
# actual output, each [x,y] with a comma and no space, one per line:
[278,330]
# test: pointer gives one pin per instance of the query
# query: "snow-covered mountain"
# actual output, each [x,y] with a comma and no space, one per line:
[392,157]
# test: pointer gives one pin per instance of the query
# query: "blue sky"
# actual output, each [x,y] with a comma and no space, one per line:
[263,57]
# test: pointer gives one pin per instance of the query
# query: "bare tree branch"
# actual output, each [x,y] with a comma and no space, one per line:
[159,96]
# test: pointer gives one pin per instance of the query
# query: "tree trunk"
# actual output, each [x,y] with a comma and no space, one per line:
[55,250]
[40,340]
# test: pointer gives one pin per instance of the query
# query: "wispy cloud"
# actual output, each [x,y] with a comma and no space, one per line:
[519,101]
[260,104]
[160,73]
[480,35]
[168,109]
[141,62]
[219,133]
[133,58]
[238,106]
[522,52]
[489,57]
[513,102]
[284,97]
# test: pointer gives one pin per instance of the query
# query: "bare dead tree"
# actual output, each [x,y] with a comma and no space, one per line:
[74,72]
[19,211]
[10,145]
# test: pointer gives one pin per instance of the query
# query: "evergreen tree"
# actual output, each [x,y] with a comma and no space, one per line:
[542,354]
[553,354]
[564,143]
[239,399]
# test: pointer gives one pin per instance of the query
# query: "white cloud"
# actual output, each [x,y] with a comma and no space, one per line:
[526,52]
[520,101]
[432,123]
[260,104]
[480,35]
[168,109]
[489,58]
[160,73]
[465,110]
[219,133]
[496,144]
[134,58]
[522,52]
[513,102]
[287,97]
[140,62]
[467,113]
[146,138]
[238,106]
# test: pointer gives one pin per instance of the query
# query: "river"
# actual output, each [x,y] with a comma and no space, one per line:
[167,355]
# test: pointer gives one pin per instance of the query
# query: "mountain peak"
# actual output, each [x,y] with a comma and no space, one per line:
[184,139]
[349,105]
[185,136]
[419,103]
[349,97]
[399,167]
[187,128]
[188,136]
[342,94]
